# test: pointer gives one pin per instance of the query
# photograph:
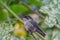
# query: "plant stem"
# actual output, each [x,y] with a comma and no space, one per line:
[4,5]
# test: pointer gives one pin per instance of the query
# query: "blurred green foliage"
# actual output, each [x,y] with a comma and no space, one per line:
[50,8]
[18,8]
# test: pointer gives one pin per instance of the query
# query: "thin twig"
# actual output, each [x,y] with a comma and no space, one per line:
[9,20]
[57,25]
[35,11]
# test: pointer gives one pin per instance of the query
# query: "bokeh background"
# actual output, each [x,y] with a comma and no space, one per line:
[45,12]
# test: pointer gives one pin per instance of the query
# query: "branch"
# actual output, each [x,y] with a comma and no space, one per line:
[35,11]
[57,25]
[4,5]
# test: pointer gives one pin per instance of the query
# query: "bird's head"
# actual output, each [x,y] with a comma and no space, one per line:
[27,18]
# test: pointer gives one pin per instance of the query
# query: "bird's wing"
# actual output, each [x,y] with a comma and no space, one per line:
[37,28]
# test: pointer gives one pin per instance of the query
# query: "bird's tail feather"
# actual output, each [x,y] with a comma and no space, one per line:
[41,32]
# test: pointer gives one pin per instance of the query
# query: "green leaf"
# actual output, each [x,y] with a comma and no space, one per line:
[4,0]
[58,17]
[18,9]
[35,2]
[3,15]
[59,36]
[50,21]
[49,35]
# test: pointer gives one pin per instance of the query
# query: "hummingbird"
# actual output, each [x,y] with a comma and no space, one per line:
[31,26]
